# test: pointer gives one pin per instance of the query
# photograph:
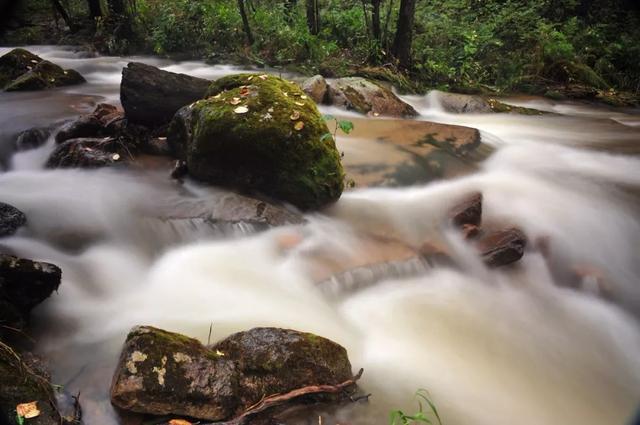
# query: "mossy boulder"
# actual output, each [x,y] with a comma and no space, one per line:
[164,373]
[457,103]
[21,70]
[24,380]
[260,133]
[367,97]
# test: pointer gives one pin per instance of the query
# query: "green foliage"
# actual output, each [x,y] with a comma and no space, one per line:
[345,126]
[398,417]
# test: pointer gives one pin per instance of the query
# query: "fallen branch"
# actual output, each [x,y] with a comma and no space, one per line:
[280,399]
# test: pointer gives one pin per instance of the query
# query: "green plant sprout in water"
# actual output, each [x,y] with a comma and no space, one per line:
[344,125]
[398,417]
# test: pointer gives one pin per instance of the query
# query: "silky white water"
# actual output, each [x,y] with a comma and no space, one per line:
[493,347]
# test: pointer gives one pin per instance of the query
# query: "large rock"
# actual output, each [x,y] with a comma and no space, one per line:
[367,97]
[23,285]
[11,219]
[259,133]
[316,88]
[151,96]
[21,70]
[163,373]
[33,137]
[468,104]
[15,63]
[87,153]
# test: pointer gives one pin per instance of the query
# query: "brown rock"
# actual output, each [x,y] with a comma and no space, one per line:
[367,97]
[502,247]
[316,88]
[468,211]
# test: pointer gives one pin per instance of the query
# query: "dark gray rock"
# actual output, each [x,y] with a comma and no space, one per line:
[11,219]
[21,70]
[468,211]
[87,153]
[151,96]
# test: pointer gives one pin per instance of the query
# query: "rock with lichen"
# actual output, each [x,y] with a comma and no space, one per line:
[260,134]
[367,97]
[164,373]
[21,70]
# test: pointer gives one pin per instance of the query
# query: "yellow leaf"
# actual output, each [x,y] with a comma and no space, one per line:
[235,101]
[28,410]
[295,115]
[241,110]
[219,353]
[179,422]
[303,96]
[299,125]
[299,103]
[263,76]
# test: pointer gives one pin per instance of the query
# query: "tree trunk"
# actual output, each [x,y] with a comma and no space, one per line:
[375,20]
[313,17]
[117,7]
[245,22]
[95,11]
[62,11]
[401,49]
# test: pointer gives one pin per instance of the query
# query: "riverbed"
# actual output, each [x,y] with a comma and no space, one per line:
[515,345]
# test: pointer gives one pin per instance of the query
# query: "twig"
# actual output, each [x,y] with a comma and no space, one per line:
[279,399]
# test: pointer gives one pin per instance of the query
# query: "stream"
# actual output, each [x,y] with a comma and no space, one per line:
[504,346]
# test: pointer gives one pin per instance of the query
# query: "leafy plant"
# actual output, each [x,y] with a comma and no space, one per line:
[345,126]
[398,417]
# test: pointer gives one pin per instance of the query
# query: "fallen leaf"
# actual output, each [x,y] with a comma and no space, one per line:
[115,157]
[285,94]
[250,78]
[235,101]
[34,61]
[295,115]
[179,422]
[263,76]
[28,410]
[270,110]
[299,126]
[376,114]
[303,96]
[299,103]
[219,353]
[244,91]
[241,110]
[217,96]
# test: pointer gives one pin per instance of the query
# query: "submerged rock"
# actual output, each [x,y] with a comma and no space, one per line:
[502,247]
[367,97]
[151,96]
[162,373]
[87,153]
[316,88]
[21,70]
[33,137]
[259,133]
[11,219]
[23,285]
[468,211]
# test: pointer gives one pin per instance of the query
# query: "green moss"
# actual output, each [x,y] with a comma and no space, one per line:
[500,107]
[276,148]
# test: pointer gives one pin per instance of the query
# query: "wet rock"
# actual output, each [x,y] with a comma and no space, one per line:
[24,379]
[164,373]
[33,137]
[151,96]
[272,361]
[469,104]
[23,285]
[87,153]
[99,123]
[367,97]
[15,63]
[260,134]
[316,88]
[502,247]
[11,219]
[21,70]
[468,211]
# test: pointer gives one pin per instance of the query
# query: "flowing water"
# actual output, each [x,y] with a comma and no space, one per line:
[504,346]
